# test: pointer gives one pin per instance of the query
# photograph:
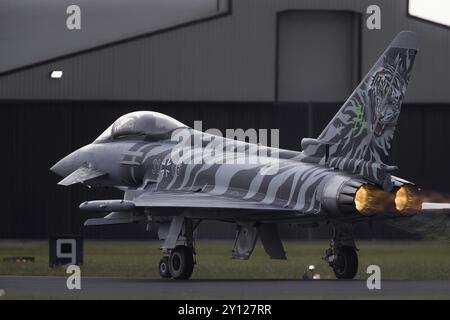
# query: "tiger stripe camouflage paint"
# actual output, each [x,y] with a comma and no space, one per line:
[293,184]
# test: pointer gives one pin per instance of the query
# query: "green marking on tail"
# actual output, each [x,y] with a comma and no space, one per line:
[359,120]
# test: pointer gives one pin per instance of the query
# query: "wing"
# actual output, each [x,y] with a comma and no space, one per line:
[191,199]
[125,211]
[82,175]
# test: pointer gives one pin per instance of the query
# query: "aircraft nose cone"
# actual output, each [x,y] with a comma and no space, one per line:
[69,163]
[62,167]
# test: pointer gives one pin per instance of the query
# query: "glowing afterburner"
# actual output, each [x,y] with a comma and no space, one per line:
[408,200]
[369,200]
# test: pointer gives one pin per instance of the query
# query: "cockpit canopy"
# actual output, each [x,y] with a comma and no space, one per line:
[141,123]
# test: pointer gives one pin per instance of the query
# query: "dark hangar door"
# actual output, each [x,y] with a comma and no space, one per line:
[318,55]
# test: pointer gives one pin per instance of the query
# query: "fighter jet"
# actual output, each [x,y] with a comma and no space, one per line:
[173,177]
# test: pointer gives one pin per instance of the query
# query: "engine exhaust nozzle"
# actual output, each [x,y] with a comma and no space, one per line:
[370,200]
[408,200]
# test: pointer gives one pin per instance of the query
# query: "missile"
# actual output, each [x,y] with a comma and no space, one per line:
[107,205]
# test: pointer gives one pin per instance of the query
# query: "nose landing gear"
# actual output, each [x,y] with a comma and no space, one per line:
[179,263]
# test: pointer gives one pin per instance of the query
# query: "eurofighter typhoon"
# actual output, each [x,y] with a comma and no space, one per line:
[174,177]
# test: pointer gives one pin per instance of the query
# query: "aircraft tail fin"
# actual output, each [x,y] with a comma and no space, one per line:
[363,129]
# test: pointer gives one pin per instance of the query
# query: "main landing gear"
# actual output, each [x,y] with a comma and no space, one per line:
[342,256]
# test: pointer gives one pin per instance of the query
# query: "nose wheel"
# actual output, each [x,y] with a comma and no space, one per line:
[179,265]
[179,262]
[164,267]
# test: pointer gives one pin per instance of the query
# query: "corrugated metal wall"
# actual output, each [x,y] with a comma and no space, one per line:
[42,24]
[227,59]
[333,73]
[34,136]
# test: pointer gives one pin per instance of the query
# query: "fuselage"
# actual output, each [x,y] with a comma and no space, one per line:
[145,153]
[194,161]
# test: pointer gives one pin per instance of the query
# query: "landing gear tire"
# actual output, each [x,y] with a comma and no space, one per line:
[181,263]
[164,267]
[346,264]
